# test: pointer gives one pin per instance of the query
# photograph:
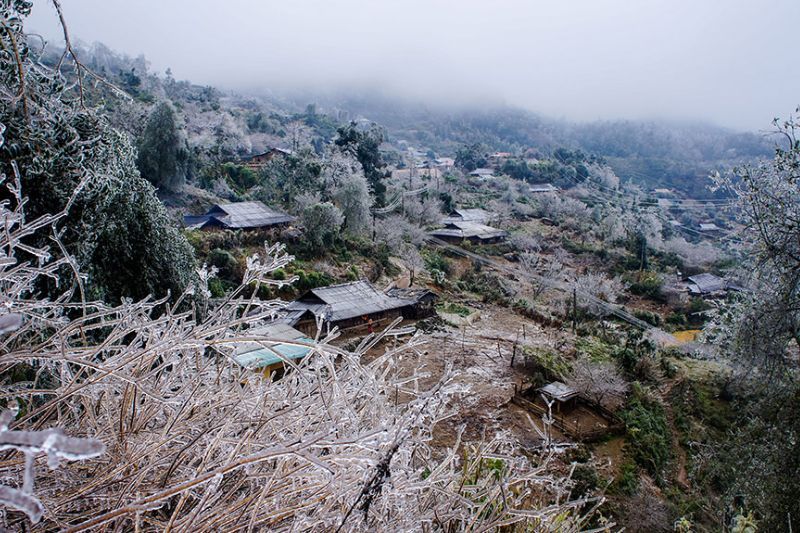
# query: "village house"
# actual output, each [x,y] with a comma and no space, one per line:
[477,215]
[239,215]
[706,285]
[357,304]
[259,161]
[457,232]
[540,188]
[482,173]
[498,158]
[444,164]
[709,228]
[281,343]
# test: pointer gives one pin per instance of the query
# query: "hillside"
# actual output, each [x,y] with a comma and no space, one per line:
[229,312]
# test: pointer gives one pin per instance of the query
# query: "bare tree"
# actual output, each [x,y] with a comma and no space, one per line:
[598,381]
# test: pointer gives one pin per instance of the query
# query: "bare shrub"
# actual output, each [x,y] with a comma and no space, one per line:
[193,441]
[593,287]
[598,381]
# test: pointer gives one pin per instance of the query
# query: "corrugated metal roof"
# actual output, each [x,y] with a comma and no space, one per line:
[243,215]
[706,283]
[559,391]
[255,355]
[468,230]
[347,300]
[709,227]
[482,172]
[542,187]
[469,215]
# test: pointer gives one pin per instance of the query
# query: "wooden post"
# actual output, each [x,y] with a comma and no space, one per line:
[513,355]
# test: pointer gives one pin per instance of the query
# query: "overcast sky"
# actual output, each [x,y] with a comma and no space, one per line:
[732,62]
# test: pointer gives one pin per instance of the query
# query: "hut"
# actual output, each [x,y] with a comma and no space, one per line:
[357,304]
[268,356]
[458,232]
[564,396]
[259,161]
[239,215]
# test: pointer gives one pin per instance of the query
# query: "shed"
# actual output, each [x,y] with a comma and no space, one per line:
[457,232]
[239,215]
[706,284]
[562,394]
[268,356]
[346,305]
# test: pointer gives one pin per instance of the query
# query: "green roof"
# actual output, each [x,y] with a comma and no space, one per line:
[267,356]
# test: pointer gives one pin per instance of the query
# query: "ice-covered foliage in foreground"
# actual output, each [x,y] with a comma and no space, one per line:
[193,441]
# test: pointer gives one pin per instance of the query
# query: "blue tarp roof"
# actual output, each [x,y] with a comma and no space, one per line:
[266,356]
[255,355]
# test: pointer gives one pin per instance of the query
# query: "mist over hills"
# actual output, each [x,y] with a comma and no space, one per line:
[648,152]
[655,152]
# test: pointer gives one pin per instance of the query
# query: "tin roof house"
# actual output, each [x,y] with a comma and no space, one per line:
[541,188]
[482,173]
[706,284]
[238,215]
[259,161]
[348,305]
[477,215]
[457,232]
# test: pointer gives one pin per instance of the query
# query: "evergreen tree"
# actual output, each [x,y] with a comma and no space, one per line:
[162,149]
[364,145]
[70,160]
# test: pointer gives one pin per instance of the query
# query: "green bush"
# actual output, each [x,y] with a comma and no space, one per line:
[454,309]
[648,433]
[311,280]
[647,284]
[435,261]
[552,364]
[651,318]
[225,262]
[627,481]
[585,480]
